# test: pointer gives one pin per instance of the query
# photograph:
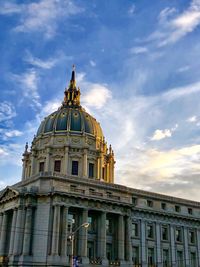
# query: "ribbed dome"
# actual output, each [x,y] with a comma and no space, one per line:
[70,119]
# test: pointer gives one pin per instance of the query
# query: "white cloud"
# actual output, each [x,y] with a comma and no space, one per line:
[192,119]
[161,134]
[165,14]
[7,111]
[3,152]
[138,50]
[41,16]
[96,96]
[13,133]
[92,63]
[28,81]
[183,69]
[37,62]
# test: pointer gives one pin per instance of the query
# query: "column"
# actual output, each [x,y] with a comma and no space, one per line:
[3,234]
[47,161]
[85,167]
[56,230]
[198,246]
[83,236]
[110,171]
[143,244]
[172,245]
[128,239]
[121,237]
[66,159]
[12,235]
[186,253]
[19,231]
[65,232]
[102,236]
[1,219]
[33,171]
[107,172]
[23,169]
[27,231]
[98,168]
[158,245]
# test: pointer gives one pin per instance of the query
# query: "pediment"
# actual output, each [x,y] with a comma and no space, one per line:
[8,193]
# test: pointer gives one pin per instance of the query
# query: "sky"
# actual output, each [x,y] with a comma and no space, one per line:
[138,68]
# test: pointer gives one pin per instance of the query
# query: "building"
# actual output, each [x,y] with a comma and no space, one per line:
[67,181]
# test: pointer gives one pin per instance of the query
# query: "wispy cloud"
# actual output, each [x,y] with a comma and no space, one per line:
[138,50]
[28,82]
[192,119]
[41,16]
[161,134]
[37,62]
[7,111]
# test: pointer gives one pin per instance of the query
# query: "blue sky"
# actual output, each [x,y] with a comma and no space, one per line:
[138,68]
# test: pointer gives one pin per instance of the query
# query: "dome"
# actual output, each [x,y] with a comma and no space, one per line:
[71,117]
[74,120]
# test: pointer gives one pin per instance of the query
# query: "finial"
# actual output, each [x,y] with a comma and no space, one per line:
[26,147]
[73,74]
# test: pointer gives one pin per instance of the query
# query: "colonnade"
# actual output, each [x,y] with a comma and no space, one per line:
[16,231]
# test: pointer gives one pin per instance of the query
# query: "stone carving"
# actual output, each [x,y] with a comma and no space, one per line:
[8,194]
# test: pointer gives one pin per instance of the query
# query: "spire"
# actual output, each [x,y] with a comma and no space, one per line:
[72,94]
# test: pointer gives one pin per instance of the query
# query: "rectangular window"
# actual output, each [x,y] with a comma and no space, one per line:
[92,223]
[103,173]
[74,167]
[57,165]
[135,231]
[151,258]
[41,166]
[164,233]
[134,201]
[150,232]
[163,206]
[190,211]
[136,258]
[180,259]
[178,234]
[177,208]
[166,260]
[108,226]
[192,237]
[91,170]
[193,261]
[150,203]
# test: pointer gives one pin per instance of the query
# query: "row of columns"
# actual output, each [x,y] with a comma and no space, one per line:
[172,247]
[59,236]
[19,233]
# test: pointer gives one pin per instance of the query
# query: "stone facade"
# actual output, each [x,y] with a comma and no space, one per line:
[67,181]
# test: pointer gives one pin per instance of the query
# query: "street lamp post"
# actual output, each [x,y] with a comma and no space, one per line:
[71,236]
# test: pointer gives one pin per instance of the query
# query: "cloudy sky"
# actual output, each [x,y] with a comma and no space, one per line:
[138,68]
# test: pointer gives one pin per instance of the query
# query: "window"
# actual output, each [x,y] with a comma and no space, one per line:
[165,258]
[193,262]
[134,201]
[163,206]
[164,233]
[90,250]
[150,203]
[192,237]
[103,173]
[150,233]
[135,254]
[92,223]
[91,170]
[135,232]
[151,259]
[108,226]
[177,208]
[74,167]
[57,165]
[41,166]
[178,235]
[190,211]
[179,259]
